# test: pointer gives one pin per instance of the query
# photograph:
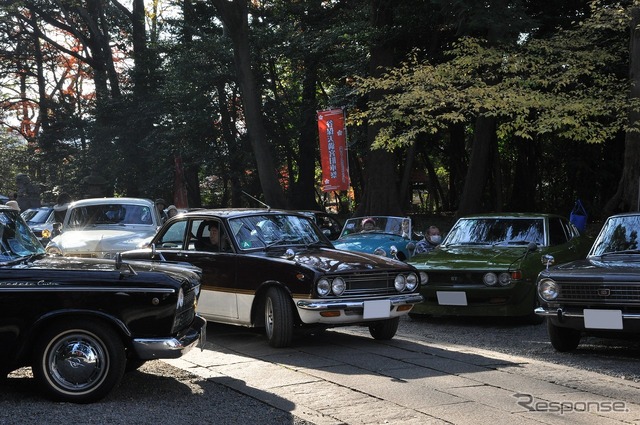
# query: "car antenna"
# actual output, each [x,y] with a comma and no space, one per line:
[257,200]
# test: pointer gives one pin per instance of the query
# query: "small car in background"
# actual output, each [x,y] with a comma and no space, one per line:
[487,264]
[81,323]
[102,227]
[598,295]
[276,270]
[40,220]
[386,236]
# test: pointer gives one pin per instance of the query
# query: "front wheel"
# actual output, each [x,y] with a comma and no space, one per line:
[384,329]
[278,318]
[563,339]
[79,363]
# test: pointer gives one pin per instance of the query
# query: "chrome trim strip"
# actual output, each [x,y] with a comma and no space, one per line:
[541,311]
[338,304]
[53,287]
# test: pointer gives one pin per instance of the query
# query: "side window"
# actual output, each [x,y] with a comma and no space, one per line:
[557,233]
[194,227]
[173,238]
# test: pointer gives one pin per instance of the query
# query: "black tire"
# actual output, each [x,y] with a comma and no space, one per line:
[384,329]
[278,318]
[65,346]
[563,339]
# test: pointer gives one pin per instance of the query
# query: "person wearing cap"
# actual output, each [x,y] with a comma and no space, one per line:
[368,224]
[160,206]
[14,205]
[172,211]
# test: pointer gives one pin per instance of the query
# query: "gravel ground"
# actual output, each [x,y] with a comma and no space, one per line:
[618,358]
[155,394]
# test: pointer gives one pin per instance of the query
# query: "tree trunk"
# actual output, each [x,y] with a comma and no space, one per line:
[457,164]
[525,177]
[626,197]
[479,167]
[380,195]
[234,15]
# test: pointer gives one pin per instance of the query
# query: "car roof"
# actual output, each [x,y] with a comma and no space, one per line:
[102,201]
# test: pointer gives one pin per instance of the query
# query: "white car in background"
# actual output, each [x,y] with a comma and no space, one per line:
[102,227]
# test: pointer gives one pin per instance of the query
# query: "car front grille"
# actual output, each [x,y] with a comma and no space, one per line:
[370,284]
[185,315]
[601,293]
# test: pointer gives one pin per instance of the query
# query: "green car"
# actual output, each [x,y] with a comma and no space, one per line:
[487,265]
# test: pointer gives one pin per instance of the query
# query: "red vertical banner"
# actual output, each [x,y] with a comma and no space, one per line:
[179,186]
[333,150]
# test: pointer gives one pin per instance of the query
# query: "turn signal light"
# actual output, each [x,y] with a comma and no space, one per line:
[330,313]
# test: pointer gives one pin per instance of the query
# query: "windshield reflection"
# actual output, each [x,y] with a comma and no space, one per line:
[496,231]
[16,239]
[617,234]
[263,231]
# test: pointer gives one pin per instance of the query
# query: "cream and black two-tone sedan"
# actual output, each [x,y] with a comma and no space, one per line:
[277,270]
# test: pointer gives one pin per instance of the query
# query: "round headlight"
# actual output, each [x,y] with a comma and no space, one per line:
[381,252]
[490,279]
[504,279]
[338,286]
[412,281]
[548,289]
[46,233]
[424,278]
[323,287]
[400,283]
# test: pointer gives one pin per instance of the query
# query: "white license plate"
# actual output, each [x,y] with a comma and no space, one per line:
[451,297]
[602,319]
[378,309]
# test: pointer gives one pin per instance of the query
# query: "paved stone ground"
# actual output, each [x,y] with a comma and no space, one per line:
[345,376]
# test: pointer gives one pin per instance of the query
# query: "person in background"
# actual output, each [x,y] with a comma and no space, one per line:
[160,206]
[61,206]
[368,224]
[172,211]
[13,204]
[431,240]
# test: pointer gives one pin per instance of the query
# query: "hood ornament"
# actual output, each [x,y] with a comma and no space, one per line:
[289,254]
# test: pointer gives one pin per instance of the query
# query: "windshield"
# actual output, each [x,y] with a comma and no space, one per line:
[260,231]
[496,231]
[16,239]
[95,215]
[36,215]
[399,226]
[617,234]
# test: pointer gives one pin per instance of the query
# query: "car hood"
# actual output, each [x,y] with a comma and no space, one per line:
[609,268]
[472,258]
[48,264]
[334,260]
[100,240]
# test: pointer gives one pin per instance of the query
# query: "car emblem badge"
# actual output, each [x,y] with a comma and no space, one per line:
[604,292]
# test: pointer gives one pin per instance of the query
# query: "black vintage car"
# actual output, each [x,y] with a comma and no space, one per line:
[599,295]
[277,270]
[80,323]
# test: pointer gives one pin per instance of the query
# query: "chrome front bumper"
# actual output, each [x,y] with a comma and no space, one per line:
[319,305]
[561,314]
[171,348]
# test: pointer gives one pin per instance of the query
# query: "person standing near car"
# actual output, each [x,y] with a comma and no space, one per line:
[61,206]
[431,240]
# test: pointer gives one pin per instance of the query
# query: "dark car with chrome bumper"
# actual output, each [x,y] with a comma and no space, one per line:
[80,323]
[599,295]
[277,270]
